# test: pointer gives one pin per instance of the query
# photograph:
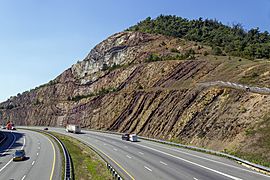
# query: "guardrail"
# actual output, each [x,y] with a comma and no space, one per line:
[68,162]
[263,168]
[69,174]
[111,166]
[69,171]
[260,90]
[266,169]
[114,172]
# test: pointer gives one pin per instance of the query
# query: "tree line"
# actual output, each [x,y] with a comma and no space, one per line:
[233,40]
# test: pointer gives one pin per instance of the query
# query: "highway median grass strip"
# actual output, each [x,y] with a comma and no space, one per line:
[87,164]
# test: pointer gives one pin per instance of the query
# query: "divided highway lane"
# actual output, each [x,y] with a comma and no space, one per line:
[42,154]
[150,160]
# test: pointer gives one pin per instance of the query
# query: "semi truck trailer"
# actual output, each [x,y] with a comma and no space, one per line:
[73,128]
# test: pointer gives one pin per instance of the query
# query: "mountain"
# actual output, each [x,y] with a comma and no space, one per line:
[158,86]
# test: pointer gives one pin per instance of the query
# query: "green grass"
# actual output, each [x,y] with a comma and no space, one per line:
[262,144]
[87,164]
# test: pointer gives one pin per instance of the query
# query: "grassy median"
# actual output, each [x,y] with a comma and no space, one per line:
[87,164]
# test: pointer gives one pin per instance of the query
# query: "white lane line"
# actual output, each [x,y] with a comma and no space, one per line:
[6,165]
[204,167]
[6,151]
[23,142]
[37,154]
[163,163]
[33,163]
[128,156]
[104,144]
[141,153]
[3,153]
[23,177]
[148,168]
[125,146]
[195,178]
[115,149]
[38,147]
[176,150]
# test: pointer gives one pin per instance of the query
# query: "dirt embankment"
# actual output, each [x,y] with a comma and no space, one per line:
[119,88]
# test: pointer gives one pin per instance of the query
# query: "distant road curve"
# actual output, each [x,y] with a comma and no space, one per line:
[42,157]
[259,90]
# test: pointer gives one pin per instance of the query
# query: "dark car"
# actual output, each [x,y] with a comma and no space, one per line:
[19,155]
[125,137]
[13,128]
[46,129]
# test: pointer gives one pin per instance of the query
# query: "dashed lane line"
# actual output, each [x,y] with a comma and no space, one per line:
[23,177]
[148,168]
[163,163]
[193,163]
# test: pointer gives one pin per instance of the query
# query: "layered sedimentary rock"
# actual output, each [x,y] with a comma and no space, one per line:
[117,87]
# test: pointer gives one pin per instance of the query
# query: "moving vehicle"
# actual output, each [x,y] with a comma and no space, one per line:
[46,129]
[73,128]
[130,137]
[125,137]
[19,155]
[133,137]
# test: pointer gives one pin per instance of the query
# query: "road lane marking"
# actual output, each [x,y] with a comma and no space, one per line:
[148,168]
[115,149]
[131,177]
[3,153]
[37,154]
[129,157]
[104,144]
[195,178]
[204,167]
[38,147]
[33,163]
[23,177]
[51,176]
[141,153]
[163,163]
[6,151]
[23,142]
[125,146]
[178,150]
[6,165]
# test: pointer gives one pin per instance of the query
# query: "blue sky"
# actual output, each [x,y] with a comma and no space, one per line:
[40,39]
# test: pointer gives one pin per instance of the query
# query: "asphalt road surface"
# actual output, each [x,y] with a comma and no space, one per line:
[43,159]
[151,160]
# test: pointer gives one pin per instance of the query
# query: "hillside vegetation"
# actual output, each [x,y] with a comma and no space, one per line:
[234,41]
[150,84]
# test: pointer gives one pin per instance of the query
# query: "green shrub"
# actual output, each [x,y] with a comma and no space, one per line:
[233,39]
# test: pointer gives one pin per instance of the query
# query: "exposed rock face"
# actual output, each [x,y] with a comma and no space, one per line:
[114,89]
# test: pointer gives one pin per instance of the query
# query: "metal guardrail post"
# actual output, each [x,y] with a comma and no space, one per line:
[68,162]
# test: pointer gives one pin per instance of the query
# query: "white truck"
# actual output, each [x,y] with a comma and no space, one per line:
[133,137]
[73,128]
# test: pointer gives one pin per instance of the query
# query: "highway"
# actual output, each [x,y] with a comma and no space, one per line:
[151,160]
[43,157]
